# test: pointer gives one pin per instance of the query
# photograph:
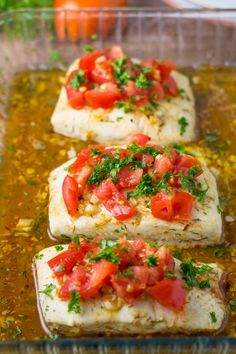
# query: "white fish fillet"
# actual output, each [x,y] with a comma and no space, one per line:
[102,125]
[204,229]
[108,314]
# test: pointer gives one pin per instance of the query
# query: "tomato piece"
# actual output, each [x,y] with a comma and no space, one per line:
[130,89]
[115,52]
[169,293]
[127,288]
[87,61]
[100,274]
[129,178]
[103,71]
[150,63]
[166,67]
[170,86]
[157,90]
[161,206]
[70,192]
[114,201]
[81,178]
[183,205]
[102,99]
[64,262]
[185,162]
[139,139]
[165,259]
[121,152]
[75,96]
[162,165]
[73,283]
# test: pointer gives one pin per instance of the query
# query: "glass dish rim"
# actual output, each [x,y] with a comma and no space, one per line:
[164,342]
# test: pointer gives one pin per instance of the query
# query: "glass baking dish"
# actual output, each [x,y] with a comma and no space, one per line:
[28,41]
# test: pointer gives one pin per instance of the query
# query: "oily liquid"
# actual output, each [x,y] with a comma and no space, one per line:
[32,150]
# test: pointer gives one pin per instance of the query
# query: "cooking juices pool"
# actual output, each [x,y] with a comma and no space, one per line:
[32,150]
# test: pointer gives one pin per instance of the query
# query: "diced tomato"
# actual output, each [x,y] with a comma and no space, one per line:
[114,201]
[166,67]
[64,262]
[75,96]
[115,52]
[121,152]
[162,165]
[83,157]
[157,90]
[102,99]
[183,205]
[87,61]
[100,274]
[73,283]
[103,71]
[169,293]
[174,157]
[129,178]
[70,192]
[161,206]
[186,162]
[147,158]
[170,86]
[165,259]
[150,63]
[130,89]
[140,139]
[81,178]
[127,288]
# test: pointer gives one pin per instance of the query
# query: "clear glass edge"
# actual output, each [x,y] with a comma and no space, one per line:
[210,342]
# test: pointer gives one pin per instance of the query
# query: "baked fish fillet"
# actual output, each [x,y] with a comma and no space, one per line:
[205,228]
[102,125]
[204,310]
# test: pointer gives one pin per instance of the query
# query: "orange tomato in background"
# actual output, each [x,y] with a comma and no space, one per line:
[83,25]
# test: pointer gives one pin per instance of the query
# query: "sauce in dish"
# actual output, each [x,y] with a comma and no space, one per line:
[32,150]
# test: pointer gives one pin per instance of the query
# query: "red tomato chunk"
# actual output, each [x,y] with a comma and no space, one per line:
[129,268]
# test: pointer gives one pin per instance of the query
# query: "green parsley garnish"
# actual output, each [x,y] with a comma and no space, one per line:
[190,273]
[219,252]
[74,304]
[183,125]
[107,253]
[78,79]
[16,332]
[142,81]
[232,305]
[213,317]
[204,284]
[48,290]
[59,247]
[127,273]
[219,209]
[177,255]
[169,275]
[181,92]
[95,152]
[108,243]
[152,260]
[39,256]
[153,244]
[120,70]
[211,138]
[188,183]
[88,49]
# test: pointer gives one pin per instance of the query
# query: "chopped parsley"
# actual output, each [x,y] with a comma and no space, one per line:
[108,243]
[107,253]
[153,244]
[219,209]
[88,49]
[128,273]
[39,256]
[76,239]
[152,260]
[16,332]
[191,272]
[204,284]
[169,275]
[181,92]
[142,81]
[59,247]
[48,290]
[188,183]
[219,252]
[177,255]
[120,70]
[211,138]
[95,152]
[78,79]
[213,317]
[74,304]
[183,125]
[232,305]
